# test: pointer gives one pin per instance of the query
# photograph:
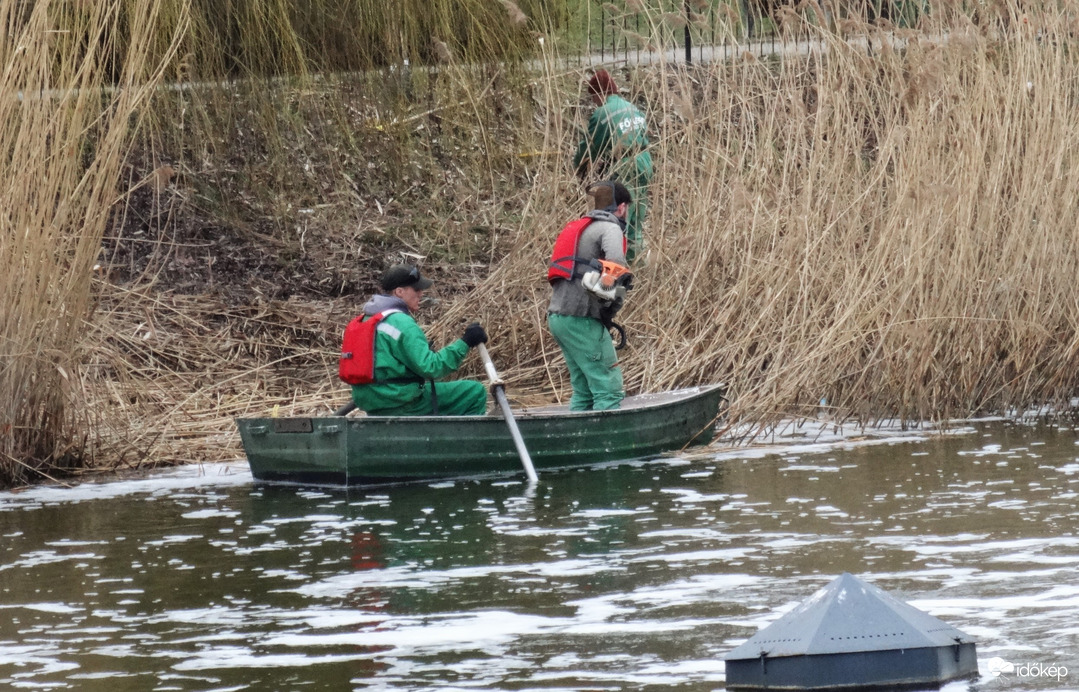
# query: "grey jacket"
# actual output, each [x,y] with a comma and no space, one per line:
[602,239]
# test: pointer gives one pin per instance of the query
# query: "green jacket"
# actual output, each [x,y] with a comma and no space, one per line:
[402,351]
[617,141]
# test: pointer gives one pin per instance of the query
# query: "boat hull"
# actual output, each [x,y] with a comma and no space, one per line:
[370,450]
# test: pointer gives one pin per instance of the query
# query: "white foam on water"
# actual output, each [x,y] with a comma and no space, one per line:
[726,554]
[223,474]
[240,657]
[433,632]
[62,608]
[603,513]
[174,539]
[694,496]
[966,543]
[38,558]
[210,514]
[408,577]
[811,468]
[691,533]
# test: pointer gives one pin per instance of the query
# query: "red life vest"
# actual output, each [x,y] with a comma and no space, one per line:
[564,258]
[357,365]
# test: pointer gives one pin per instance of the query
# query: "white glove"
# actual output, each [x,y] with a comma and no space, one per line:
[591,283]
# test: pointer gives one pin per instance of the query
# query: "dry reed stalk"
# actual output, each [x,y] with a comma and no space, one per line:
[179,368]
[64,138]
[892,233]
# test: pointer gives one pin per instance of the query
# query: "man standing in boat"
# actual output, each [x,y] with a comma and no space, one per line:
[616,148]
[588,279]
[389,362]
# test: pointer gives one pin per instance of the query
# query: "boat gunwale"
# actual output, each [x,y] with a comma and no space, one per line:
[685,395]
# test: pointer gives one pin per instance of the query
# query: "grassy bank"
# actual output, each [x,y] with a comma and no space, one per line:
[890,230]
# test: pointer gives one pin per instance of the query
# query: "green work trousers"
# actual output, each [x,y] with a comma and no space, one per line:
[636,175]
[457,398]
[592,361]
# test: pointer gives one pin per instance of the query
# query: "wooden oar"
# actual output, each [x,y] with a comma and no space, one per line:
[499,390]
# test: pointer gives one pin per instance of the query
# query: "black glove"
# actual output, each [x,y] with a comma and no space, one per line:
[474,335]
[608,310]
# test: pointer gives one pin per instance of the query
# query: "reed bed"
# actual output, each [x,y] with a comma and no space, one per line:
[879,224]
[846,233]
[62,141]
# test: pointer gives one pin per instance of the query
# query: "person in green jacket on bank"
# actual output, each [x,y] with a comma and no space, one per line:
[616,148]
[405,367]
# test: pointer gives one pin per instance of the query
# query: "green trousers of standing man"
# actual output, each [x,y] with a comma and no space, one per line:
[592,361]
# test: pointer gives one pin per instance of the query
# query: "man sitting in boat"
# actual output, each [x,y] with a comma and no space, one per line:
[588,278]
[393,370]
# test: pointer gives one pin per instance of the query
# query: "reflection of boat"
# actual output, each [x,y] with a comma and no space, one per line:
[387,449]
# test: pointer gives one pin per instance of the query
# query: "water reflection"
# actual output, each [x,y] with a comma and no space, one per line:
[626,577]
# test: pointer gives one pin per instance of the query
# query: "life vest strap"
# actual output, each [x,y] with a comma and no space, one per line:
[573,274]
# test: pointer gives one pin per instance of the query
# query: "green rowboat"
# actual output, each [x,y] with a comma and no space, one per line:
[368,450]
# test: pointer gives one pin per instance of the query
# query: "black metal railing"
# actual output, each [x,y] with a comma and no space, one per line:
[613,30]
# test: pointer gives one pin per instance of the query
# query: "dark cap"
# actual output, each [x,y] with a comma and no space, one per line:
[400,275]
[602,84]
[609,194]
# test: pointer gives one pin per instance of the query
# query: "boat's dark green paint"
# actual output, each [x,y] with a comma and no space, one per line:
[389,449]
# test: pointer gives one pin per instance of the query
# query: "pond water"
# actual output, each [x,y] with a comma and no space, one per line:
[628,577]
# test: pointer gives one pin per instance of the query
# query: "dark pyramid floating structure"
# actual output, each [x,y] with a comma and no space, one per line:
[851,635]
